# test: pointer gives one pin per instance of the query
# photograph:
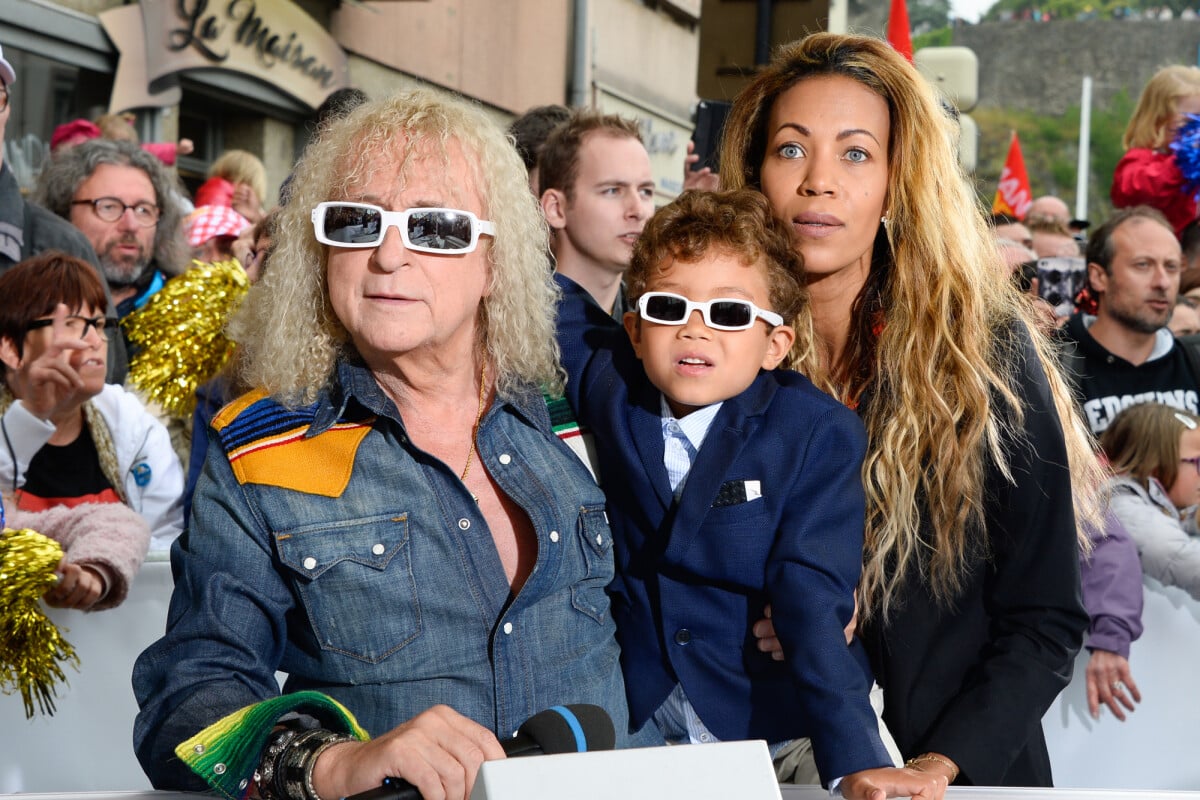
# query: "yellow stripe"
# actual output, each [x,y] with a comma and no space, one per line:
[230,412]
[320,465]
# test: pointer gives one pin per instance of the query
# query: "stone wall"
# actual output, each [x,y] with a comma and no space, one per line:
[1040,66]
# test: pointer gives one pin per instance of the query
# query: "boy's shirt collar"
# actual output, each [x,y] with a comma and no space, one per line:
[694,426]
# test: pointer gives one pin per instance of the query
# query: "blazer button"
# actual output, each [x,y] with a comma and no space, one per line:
[683,636]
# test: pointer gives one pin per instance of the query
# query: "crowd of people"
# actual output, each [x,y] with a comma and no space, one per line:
[790,458]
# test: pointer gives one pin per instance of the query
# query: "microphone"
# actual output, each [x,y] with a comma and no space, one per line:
[578,728]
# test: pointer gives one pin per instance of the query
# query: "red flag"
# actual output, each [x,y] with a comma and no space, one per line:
[1013,195]
[898,35]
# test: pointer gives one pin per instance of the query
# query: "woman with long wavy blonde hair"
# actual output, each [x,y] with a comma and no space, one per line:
[970,590]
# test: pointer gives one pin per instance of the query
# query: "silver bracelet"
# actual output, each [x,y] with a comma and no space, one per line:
[293,777]
[312,763]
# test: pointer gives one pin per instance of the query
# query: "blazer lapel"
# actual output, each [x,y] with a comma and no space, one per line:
[736,423]
[645,427]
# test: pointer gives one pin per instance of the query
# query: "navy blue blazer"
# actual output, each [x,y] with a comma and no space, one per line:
[694,575]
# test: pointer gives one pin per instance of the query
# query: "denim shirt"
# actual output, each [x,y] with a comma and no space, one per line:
[389,595]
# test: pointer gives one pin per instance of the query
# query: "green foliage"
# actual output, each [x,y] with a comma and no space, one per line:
[942,37]
[1050,146]
[1071,9]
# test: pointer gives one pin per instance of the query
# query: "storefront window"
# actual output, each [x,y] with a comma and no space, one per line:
[47,93]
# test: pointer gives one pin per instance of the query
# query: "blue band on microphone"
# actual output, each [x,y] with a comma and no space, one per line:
[573,723]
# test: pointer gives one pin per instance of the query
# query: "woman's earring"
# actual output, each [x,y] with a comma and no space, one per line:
[884,220]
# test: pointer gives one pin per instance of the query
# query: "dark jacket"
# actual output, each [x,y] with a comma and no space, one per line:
[973,681]
[772,511]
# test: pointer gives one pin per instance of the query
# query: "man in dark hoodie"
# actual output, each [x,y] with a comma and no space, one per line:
[1125,354]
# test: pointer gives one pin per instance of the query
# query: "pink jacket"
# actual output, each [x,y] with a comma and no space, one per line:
[110,536]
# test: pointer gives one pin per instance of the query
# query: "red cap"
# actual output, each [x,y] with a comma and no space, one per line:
[76,128]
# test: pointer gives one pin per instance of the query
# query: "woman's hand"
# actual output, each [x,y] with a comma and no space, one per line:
[877,784]
[768,642]
[48,385]
[1110,683]
[438,751]
[79,587]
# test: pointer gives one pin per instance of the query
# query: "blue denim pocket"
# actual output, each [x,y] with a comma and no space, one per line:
[356,583]
[595,541]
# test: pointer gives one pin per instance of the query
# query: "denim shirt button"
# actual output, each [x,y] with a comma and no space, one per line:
[505,458]
[599,539]
[507,628]
[310,563]
[377,549]
[464,524]
[554,536]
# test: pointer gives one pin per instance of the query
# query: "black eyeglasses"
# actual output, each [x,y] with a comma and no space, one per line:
[110,209]
[75,324]
[1194,461]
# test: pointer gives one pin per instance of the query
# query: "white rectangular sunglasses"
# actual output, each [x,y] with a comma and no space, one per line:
[445,231]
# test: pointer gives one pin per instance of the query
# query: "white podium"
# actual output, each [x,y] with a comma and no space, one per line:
[722,771]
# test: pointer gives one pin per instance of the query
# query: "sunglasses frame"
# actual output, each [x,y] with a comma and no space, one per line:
[399,220]
[705,309]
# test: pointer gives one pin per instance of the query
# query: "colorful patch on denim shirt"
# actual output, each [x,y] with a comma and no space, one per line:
[266,444]
[579,440]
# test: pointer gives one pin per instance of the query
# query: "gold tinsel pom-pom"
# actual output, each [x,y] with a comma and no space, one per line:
[180,334]
[32,650]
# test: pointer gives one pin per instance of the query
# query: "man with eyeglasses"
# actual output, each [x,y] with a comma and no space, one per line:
[125,203]
[27,229]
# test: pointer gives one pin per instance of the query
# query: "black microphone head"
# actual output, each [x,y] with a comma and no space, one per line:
[576,728]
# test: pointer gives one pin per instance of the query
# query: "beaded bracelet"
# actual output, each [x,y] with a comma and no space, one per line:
[264,776]
[293,776]
[915,760]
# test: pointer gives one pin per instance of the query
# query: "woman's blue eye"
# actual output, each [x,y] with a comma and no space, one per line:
[791,151]
[857,156]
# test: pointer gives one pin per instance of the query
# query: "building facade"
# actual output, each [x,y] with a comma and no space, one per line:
[249,74]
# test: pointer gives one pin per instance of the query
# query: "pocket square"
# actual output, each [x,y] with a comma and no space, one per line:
[734,493]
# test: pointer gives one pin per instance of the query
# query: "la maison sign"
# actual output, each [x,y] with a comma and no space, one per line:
[271,40]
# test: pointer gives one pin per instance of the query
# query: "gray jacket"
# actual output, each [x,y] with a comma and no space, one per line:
[1166,539]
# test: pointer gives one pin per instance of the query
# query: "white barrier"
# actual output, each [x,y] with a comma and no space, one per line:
[1155,748]
[87,744]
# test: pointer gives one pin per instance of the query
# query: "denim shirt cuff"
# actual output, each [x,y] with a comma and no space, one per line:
[226,753]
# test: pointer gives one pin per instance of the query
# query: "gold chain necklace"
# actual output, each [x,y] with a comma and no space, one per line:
[475,429]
